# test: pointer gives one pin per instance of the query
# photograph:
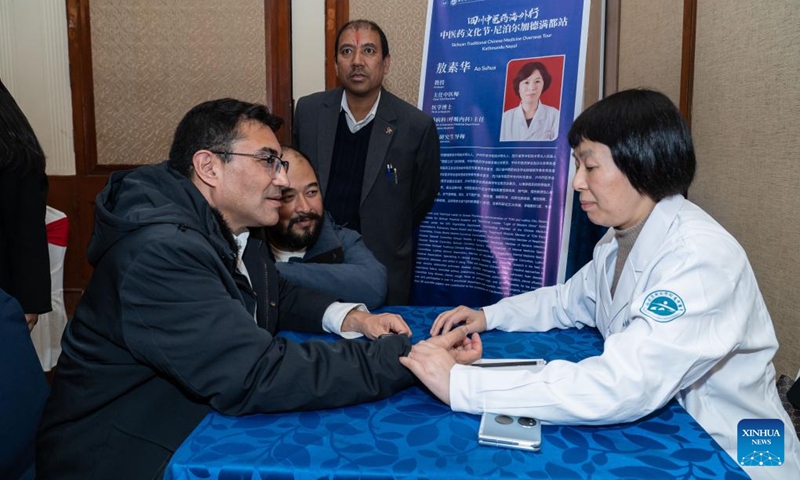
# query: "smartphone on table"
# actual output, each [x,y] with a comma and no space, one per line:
[508,431]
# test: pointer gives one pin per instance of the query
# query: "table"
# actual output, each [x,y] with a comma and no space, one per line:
[413,435]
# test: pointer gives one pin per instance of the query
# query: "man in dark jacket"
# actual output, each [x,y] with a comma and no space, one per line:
[312,250]
[179,318]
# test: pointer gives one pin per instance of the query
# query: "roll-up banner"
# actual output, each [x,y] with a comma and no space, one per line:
[503,80]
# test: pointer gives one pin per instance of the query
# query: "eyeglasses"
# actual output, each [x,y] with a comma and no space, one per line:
[272,160]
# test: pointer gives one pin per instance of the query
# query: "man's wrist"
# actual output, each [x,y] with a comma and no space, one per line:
[334,318]
[352,320]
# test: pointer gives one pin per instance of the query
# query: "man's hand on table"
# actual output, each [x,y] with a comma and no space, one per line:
[373,326]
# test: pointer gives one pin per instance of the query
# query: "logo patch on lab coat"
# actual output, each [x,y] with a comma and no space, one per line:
[663,306]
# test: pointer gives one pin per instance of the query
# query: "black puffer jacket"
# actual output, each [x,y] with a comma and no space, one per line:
[165,330]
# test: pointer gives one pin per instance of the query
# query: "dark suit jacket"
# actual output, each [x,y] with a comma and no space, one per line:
[402,136]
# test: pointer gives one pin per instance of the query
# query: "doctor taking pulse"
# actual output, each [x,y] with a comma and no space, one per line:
[670,290]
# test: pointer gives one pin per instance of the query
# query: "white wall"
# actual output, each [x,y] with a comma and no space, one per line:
[308,47]
[34,65]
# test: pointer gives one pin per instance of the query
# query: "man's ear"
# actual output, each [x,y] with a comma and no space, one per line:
[386,62]
[206,167]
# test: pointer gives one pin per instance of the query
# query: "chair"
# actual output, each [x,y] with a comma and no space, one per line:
[46,335]
[23,392]
[789,393]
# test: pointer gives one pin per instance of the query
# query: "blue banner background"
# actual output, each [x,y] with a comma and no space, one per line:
[496,227]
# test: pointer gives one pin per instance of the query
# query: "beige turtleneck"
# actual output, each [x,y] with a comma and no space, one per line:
[625,241]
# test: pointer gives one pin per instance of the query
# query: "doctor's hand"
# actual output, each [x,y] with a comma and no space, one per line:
[464,349]
[373,326]
[475,320]
[431,360]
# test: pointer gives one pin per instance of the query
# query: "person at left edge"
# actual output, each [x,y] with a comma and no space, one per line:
[23,392]
[173,322]
[24,256]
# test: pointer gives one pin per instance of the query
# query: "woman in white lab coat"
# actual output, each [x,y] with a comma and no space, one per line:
[670,290]
[531,120]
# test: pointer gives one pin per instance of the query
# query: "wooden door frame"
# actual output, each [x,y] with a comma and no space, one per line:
[278,48]
[687,58]
[278,86]
[82,88]
[337,13]
[688,35]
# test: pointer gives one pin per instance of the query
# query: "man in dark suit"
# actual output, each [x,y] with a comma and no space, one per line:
[377,156]
[183,306]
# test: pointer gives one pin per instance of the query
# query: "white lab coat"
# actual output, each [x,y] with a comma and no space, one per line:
[715,357]
[543,127]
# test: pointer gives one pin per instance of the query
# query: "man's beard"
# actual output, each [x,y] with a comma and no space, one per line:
[307,237]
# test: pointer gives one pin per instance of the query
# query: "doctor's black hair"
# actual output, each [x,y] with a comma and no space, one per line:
[648,138]
[527,70]
[362,24]
[215,125]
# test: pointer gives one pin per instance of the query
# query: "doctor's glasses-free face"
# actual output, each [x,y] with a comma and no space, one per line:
[605,193]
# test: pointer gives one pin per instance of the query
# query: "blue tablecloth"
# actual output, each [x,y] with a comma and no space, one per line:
[413,435]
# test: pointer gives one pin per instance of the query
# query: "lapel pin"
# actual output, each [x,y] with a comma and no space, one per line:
[389,130]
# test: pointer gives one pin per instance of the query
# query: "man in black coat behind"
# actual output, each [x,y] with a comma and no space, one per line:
[179,317]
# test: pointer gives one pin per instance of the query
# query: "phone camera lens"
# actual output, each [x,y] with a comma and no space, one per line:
[503,419]
[527,422]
